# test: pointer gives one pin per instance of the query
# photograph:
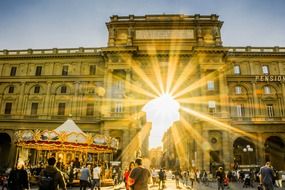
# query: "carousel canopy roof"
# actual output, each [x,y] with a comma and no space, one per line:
[69,126]
[67,136]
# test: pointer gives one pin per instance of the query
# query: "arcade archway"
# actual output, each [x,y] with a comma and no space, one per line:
[275,152]
[5,146]
[244,151]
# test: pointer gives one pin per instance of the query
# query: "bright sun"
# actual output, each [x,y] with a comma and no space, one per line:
[162,112]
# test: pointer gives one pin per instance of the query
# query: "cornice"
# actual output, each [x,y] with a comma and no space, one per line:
[255,51]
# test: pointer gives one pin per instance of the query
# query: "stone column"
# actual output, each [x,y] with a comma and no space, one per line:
[259,146]
[125,143]
[227,150]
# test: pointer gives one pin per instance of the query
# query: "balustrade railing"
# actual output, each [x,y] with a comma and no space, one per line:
[50,51]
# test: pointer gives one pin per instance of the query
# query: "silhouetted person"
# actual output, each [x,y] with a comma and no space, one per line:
[18,178]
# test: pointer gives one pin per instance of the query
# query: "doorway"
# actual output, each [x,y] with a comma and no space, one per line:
[275,152]
[5,146]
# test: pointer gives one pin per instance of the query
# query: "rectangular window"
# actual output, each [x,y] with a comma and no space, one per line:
[212,107]
[13,71]
[265,69]
[61,109]
[240,110]
[118,107]
[34,108]
[39,71]
[11,89]
[119,84]
[92,70]
[211,85]
[238,89]
[90,110]
[8,108]
[237,70]
[65,70]
[63,89]
[37,89]
[267,90]
[270,111]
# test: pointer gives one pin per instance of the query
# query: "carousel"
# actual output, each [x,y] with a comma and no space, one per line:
[68,143]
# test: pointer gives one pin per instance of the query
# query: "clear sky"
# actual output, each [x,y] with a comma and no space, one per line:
[81,23]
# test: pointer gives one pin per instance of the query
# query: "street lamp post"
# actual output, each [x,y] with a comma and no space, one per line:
[248,149]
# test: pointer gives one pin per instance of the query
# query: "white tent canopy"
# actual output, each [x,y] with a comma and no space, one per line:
[68,126]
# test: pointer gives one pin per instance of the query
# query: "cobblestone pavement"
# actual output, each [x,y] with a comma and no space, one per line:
[170,184]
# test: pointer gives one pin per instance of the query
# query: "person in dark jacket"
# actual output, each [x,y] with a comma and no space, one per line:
[220,175]
[59,181]
[18,178]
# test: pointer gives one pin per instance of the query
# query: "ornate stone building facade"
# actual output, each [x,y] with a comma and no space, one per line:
[232,98]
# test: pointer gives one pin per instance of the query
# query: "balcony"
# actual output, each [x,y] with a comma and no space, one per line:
[41,118]
[259,119]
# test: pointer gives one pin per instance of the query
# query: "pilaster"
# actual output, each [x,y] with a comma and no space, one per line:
[256,106]
[20,102]
[47,99]
[74,107]
[223,94]
[206,148]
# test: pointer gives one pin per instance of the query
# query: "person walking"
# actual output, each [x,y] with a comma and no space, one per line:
[266,176]
[96,177]
[127,174]
[51,178]
[192,176]
[139,176]
[279,178]
[161,176]
[84,177]
[177,175]
[18,178]
[220,175]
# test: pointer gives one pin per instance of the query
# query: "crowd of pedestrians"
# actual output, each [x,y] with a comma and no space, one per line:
[52,177]
[137,177]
